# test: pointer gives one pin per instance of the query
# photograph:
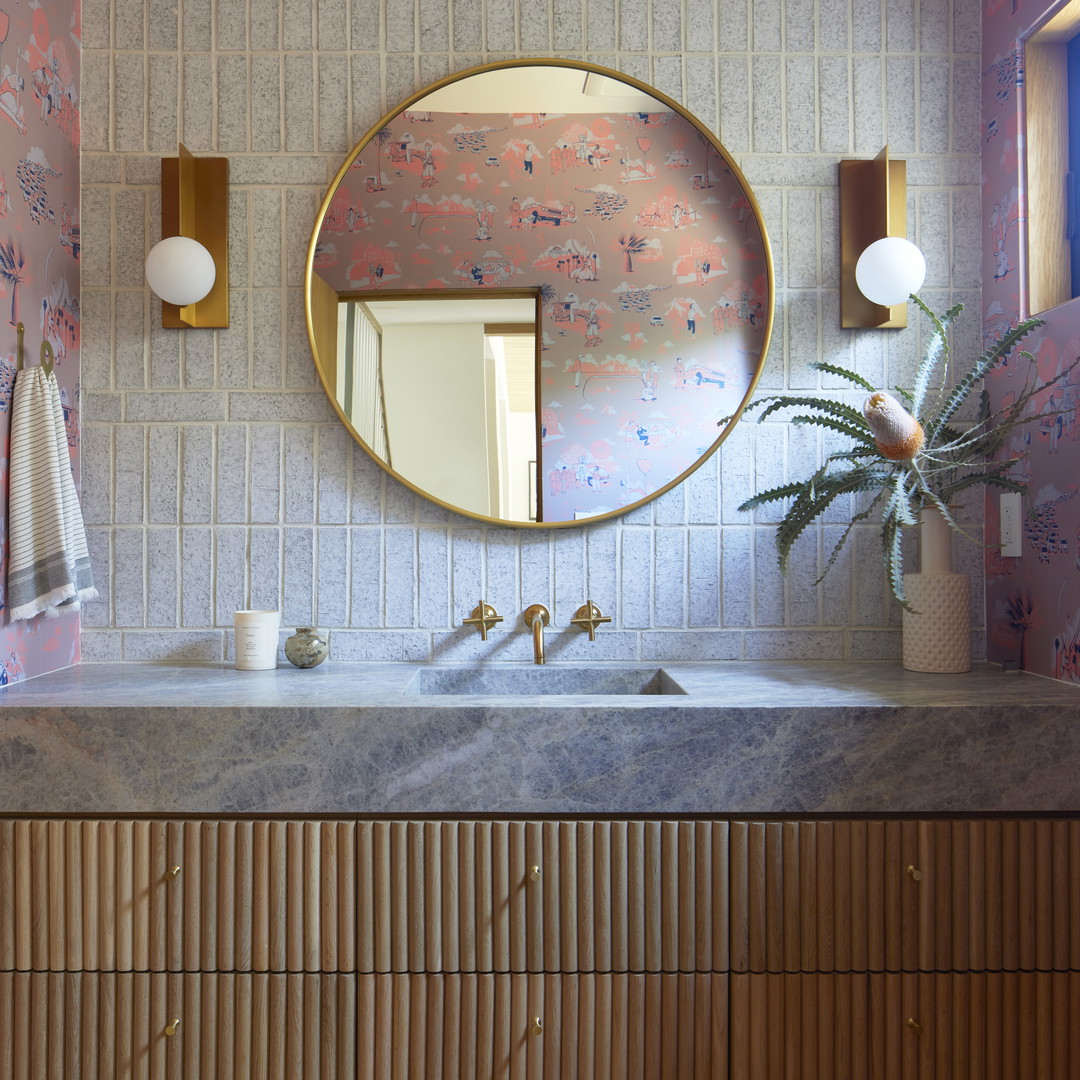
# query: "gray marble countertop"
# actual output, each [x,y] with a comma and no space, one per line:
[727,684]
[349,738]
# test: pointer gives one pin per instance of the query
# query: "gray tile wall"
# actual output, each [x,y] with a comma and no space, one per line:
[215,475]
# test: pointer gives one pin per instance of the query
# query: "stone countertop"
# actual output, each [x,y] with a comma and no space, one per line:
[752,737]
[708,684]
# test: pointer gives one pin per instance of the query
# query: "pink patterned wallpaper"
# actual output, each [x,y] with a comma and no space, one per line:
[40,46]
[1033,603]
[650,260]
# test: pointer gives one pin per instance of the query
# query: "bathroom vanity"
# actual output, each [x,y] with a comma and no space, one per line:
[806,870]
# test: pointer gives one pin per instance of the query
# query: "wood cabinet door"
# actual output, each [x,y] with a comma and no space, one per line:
[105,895]
[156,1026]
[542,896]
[975,1026]
[904,895]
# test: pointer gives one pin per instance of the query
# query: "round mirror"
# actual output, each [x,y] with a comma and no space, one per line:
[534,289]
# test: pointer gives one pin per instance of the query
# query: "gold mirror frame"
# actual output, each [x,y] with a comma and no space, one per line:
[319,297]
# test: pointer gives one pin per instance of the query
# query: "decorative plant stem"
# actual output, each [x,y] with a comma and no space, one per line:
[909,453]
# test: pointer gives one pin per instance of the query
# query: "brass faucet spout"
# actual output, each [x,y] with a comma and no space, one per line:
[536,618]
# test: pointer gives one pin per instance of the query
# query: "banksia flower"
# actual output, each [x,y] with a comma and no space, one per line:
[897,434]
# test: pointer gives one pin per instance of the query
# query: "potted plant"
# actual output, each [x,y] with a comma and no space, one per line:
[908,453]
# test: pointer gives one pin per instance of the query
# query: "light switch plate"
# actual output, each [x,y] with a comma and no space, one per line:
[1012,531]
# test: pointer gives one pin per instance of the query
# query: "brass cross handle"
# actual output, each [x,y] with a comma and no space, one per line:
[588,617]
[484,616]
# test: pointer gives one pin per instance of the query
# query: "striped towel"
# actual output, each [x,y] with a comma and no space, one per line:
[48,563]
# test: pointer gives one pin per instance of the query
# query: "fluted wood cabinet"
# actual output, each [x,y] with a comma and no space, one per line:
[532,949]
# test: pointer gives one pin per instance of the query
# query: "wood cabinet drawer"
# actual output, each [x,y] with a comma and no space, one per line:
[113,1025]
[1016,1025]
[160,895]
[905,895]
[907,1026]
[591,1027]
[556,896]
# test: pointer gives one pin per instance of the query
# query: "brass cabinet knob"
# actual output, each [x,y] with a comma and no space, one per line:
[534,874]
[538,1026]
[913,1024]
[915,875]
[170,1029]
[173,871]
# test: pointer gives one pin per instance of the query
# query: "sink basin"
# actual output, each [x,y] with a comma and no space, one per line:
[501,681]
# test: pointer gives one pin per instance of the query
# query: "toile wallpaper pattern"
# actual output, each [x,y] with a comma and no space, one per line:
[40,51]
[649,257]
[1033,603]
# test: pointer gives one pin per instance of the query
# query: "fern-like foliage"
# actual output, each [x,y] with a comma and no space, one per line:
[956,455]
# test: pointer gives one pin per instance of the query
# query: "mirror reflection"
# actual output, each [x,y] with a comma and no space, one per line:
[423,371]
[606,233]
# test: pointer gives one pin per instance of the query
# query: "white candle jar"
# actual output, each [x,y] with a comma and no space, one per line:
[255,636]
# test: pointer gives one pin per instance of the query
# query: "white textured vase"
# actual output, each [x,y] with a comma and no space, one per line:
[938,637]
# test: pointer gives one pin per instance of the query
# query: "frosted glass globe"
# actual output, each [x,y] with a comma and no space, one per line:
[890,270]
[180,270]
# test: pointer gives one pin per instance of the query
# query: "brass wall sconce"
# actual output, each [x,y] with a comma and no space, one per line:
[879,267]
[189,267]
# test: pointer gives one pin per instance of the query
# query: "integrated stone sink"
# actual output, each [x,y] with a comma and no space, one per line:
[506,681]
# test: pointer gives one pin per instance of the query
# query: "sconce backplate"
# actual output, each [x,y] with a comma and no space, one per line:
[195,203]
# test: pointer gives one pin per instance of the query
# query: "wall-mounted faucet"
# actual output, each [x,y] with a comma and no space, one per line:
[536,618]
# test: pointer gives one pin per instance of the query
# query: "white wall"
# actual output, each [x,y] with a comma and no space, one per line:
[446,360]
[215,475]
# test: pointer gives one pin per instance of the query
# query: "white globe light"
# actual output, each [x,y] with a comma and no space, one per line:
[890,270]
[180,270]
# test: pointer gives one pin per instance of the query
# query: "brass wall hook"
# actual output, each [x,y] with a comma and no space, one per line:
[484,616]
[588,617]
[913,873]
[48,357]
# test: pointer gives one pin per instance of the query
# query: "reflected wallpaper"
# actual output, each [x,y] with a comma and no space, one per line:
[649,257]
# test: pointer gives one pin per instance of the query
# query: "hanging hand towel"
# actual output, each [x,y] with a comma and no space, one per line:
[48,563]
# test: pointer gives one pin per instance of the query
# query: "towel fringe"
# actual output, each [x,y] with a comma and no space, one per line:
[48,604]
